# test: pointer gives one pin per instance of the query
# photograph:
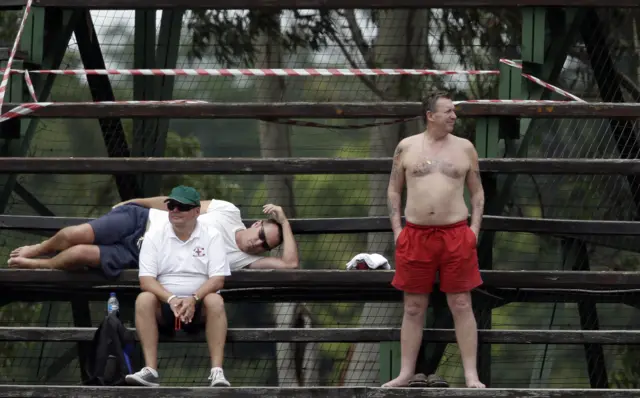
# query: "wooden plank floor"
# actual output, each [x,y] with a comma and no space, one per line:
[318,392]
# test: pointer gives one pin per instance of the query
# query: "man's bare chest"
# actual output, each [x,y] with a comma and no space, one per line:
[452,165]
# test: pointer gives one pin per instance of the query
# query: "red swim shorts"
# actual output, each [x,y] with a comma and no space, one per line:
[422,250]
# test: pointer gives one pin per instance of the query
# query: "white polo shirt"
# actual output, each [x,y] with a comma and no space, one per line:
[182,267]
[227,220]
[223,216]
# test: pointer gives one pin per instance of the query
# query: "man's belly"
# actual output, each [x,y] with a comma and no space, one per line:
[435,200]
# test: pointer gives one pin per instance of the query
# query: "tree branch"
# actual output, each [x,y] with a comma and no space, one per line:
[358,38]
[629,85]
[365,79]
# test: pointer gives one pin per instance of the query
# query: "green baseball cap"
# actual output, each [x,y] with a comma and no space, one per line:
[185,195]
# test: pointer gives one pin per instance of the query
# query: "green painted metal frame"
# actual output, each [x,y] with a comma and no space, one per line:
[150,135]
[44,56]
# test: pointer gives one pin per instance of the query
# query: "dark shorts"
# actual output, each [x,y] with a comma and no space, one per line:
[119,235]
[168,327]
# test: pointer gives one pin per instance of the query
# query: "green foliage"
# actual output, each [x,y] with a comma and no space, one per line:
[232,36]
[627,374]
[9,23]
[209,186]
[321,196]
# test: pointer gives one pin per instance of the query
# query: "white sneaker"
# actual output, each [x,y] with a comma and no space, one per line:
[144,377]
[217,378]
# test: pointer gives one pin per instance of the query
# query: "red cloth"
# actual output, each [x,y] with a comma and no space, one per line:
[422,250]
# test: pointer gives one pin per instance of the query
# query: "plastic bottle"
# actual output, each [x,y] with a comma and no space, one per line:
[112,304]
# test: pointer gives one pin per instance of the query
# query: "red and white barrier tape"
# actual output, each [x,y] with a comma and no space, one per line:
[262,72]
[542,82]
[7,71]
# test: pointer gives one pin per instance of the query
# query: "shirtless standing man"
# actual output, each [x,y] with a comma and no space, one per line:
[435,166]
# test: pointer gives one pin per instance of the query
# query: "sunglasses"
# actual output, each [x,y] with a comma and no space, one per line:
[180,206]
[263,238]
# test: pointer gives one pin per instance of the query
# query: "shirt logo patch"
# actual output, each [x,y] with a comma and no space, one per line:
[198,251]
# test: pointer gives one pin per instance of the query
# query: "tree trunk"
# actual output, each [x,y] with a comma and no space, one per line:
[275,142]
[401,43]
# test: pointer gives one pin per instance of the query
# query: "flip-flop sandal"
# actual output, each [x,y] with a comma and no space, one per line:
[435,381]
[419,380]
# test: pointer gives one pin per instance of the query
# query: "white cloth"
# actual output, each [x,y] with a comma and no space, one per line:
[373,261]
[182,267]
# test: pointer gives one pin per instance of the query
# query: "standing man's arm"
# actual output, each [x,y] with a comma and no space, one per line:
[476,192]
[394,191]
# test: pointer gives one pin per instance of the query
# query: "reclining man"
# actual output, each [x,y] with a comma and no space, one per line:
[112,242]
[183,265]
[242,244]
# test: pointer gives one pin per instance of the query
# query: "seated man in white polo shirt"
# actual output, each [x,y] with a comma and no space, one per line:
[183,265]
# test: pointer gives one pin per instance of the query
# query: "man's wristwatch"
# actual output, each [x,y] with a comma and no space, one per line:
[195,296]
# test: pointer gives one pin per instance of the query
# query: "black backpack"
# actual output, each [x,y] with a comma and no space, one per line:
[112,354]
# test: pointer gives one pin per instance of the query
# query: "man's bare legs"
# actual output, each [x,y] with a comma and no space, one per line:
[216,327]
[147,316]
[415,307]
[466,335]
[62,240]
[75,257]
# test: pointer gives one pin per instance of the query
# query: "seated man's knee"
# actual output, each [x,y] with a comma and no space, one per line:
[213,303]
[459,302]
[146,302]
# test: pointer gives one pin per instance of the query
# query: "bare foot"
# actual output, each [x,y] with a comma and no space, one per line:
[26,251]
[474,383]
[400,381]
[21,262]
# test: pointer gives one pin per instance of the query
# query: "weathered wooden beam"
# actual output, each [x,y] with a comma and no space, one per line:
[335,110]
[7,391]
[36,293]
[331,279]
[314,226]
[350,335]
[323,4]
[264,166]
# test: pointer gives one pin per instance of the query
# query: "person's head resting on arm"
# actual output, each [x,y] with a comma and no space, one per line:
[262,236]
[183,204]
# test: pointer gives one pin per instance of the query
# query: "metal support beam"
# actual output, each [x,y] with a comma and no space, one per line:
[149,135]
[563,26]
[595,34]
[575,253]
[143,86]
[45,40]
[101,90]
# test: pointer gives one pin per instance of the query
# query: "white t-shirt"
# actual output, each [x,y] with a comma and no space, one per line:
[226,219]
[157,219]
[182,267]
